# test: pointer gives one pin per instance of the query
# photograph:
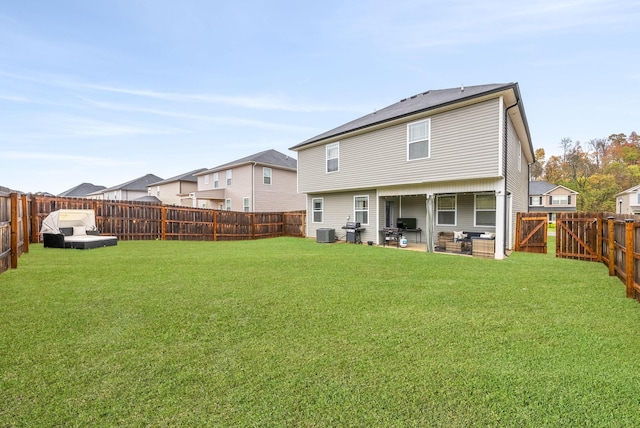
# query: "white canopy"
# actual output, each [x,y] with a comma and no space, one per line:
[68,218]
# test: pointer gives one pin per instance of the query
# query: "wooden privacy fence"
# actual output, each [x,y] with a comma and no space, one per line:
[531,233]
[613,240]
[14,227]
[129,220]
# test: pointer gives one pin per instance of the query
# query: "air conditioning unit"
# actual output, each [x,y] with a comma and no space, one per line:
[325,235]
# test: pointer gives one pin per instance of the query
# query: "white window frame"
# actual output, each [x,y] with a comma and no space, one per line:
[357,210]
[229,177]
[413,140]
[477,210]
[315,211]
[448,210]
[206,179]
[559,199]
[227,204]
[535,201]
[216,182]
[158,191]
[246,204]
[267,175]
[332,152]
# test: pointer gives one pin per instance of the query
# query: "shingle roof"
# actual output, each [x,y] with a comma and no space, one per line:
[418,103]
[187,176]
[82,190]
[139,183]
[268,157]
[540,187]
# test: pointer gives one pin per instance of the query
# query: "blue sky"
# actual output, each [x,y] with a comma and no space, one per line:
[108,91]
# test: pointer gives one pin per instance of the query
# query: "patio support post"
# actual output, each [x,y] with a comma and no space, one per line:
[501,200]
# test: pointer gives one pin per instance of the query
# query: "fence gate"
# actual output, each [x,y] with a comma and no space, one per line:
[531,233]
[577,236]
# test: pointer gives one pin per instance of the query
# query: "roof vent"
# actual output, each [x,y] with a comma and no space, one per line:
[462,88]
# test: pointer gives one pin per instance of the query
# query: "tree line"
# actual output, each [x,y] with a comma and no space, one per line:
[597,170]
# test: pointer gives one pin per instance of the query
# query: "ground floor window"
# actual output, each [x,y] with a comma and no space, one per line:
[485,210]
[228,204]
[317,205]
[246,204]
[446,210]
[361,209]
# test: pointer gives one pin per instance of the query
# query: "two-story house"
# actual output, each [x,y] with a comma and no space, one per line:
[628,201]
[551,199]
[132,190]
[176,190]
[262,182]
[452,159]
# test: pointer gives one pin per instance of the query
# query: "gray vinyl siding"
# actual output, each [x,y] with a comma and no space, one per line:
[517,181]
[464,144]
[339,206]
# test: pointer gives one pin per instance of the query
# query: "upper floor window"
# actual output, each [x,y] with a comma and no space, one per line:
[206,179]
[418,136]
[560,200]
[361,209]
[317,208]
[535,200]
[158,191]
[446,210]
[229,176]
[485,210]
[216,183]
[266,175]
[333,157]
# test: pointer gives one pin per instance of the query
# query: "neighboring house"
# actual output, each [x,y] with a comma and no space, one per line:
[551,199]
[129,191]
[263,182]
[81,190]
[176,190]
[628,201]
[453,159]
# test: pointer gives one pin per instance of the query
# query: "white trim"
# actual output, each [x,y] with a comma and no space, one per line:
[475,210]
[328,147]
[455,209]
[426,121]
[313,211]
[368,210]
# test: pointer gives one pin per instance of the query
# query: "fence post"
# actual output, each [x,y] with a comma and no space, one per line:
[518,220]
[25,225]
[630,259]
[14,229]
[599,239]
[35,224]
[215,225]
[612,246]
[164,222]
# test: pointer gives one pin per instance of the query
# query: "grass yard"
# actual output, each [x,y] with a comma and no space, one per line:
[288,332]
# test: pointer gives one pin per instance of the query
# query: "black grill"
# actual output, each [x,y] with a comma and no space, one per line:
[353,232]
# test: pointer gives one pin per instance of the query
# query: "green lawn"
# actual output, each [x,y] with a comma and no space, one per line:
[288,332]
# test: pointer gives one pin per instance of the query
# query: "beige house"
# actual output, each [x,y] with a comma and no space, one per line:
[551,199]
[263,182]
[450,160]
[628,201]
[176,190]
[132,190]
